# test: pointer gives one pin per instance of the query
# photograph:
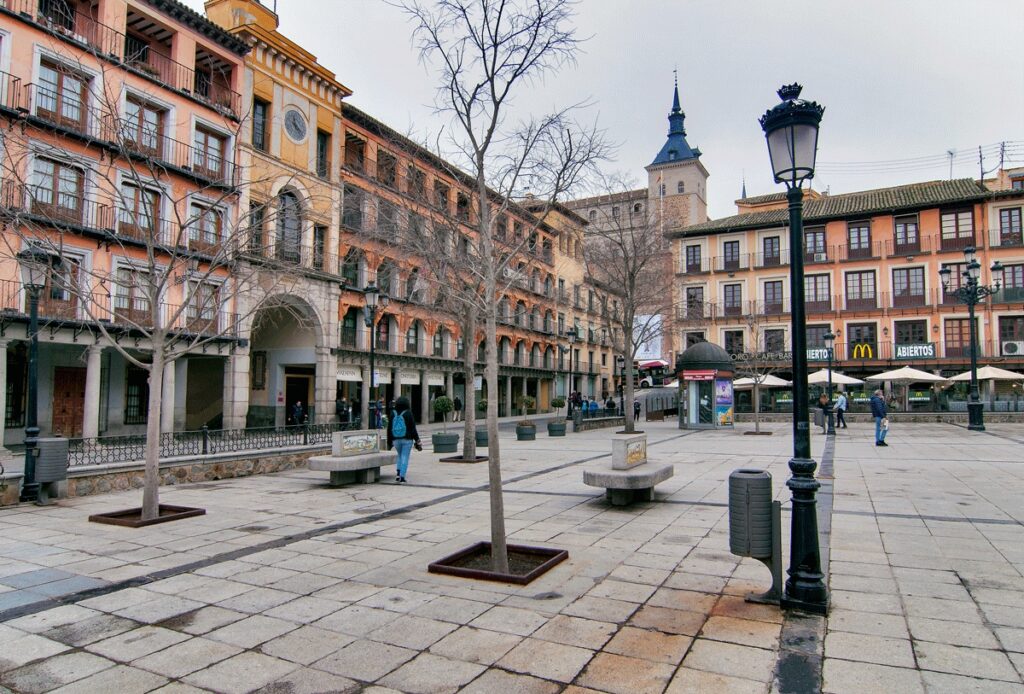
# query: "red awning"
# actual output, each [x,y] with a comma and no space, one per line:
[653,364]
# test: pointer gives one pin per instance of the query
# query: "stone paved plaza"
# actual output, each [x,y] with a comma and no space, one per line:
[289,586]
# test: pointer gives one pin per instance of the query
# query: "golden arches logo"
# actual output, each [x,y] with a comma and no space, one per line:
[863,350]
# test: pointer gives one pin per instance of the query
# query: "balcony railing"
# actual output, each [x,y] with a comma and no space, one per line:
[696,266]
[868,251]
[909,299]
[862,303]
[920,244]
[819,305]
[820,255]
[956,243]
[1010,239]
[54,209]
[728,263]
[763,260]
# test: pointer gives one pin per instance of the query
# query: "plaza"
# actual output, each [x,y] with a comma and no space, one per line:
[288,585]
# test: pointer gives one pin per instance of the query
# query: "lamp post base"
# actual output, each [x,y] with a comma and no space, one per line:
[976,416]
[805,587]
[831,423]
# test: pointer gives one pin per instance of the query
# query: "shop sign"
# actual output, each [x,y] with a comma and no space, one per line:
[925,350]
[702,375]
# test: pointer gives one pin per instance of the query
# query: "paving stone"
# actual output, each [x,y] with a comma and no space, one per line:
[30,579]
[510,620]
[414,632]
[619,674]
[252,631]
[306,645]
[893,626]
[49,619]
[621,590]
[397,600]
[733,606]
[1012,639]
[601,609]
[649,645]
[689,681]
[847,677]
[347,591]
[430,674]
[449,609]
[936,608]
[500,681]
[747,632]
[305,609]
[639,574]
[51,673]
[307,681]
[184,658]
[695,582]
[731,660]
[257,600]
[668,621]
[119,679]
[865,602]
[136,643]
[945,683]
[159,609]
[91,630]
[869,649]
[953,633]
[551,661]
[242,673]
[475,645]
[305,583]
[364,660]
[25,649]
[972,662]
[118,600]
[576,631]
[356,620]
[203,620]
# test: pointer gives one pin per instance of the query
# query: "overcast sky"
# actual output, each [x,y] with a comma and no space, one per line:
[900,80]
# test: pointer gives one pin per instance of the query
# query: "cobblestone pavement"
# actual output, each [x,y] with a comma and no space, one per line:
[287,585]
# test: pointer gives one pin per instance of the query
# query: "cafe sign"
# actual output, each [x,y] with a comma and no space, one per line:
[920,350]
[817,354]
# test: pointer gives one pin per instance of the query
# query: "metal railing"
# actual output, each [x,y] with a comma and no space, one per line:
[104,450]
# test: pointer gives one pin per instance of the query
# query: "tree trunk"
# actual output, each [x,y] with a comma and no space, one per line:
[151,487]
[630,398]
[469,375]
[499,548]
[757,407]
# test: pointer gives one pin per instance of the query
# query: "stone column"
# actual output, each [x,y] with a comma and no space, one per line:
[167,397]
[236,390]
[449,384]
[364,398]
[396,386]
[510,408]
[93,367]
[325,388]
[424,398]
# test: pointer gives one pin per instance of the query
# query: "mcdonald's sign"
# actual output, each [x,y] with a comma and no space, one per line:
[862,350]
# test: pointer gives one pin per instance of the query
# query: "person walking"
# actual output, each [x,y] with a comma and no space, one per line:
[825,405]
[636,410]
[402,436]
[457,411]
[298,413]
[881,416]
[841,404]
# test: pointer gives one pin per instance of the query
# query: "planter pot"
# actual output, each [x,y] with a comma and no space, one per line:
[481,437]
[556,428]
[526,432]
[445,443]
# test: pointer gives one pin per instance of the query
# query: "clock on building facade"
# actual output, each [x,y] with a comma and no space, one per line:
[295,125]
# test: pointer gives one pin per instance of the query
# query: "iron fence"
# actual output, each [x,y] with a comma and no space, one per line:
[104,450]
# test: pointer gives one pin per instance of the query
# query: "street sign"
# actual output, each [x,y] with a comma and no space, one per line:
[918,350]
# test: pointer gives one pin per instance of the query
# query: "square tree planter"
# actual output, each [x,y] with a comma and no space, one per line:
[132,517]
[525,563]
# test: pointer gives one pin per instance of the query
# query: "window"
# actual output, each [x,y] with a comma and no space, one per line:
[731,255]
[911,332]
[439,342]
[860,290]
[352,208]
[386,276]
[139,212]
[1011,329]
[355,152]
[695,302]
[734,341]
[323,154]
[680,187]
[693,338]
[862,341]
[412,338]
[772,254]
[387,221]
[773,302]
[774,340]
[417,183]
[1010,227]
[638,208]
[208,153]
[908,287]
[1013,284]
[131,297]
[260,121]
[615,212]
[383,342]
[441,192]
[958,337]
[858,236]
[143,127]
[289,227]
[59,298]
[561,323]
[203,308]
[693,258]
[413,290]
[906,236]
[349,327]
[319,245]
[816,336]
[257,218]
[661,190]
[136,395]
[57,190]
[350,268]
[814,245]
[60,96]
[58,13]
[387,168]
[817,292]
[957,229]
[1017,184]
[205,229]
[462,207]
[592,216]
[733,299]
[956,280]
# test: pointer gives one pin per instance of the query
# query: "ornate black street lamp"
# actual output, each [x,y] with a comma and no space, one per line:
[374,298]
[622,384]
[972,292]
[35,264]
[572,333]
[830,341]
[791,129]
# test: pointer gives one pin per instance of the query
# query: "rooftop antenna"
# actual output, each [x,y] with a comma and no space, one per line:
[950,153]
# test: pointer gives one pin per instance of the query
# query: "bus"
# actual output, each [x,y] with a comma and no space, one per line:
[651,373]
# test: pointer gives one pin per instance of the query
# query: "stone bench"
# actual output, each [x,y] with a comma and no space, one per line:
[623,487]
[356,457]
[353,469]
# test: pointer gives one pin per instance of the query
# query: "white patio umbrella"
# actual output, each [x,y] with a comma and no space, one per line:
[767,381]
[990,373]
[821,376]
[907,375]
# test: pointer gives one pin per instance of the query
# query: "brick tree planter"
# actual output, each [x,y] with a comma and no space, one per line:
[525,563]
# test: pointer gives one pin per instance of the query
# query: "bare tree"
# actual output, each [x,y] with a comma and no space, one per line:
[485,52]
[762,360]
[177,280]
[625,255]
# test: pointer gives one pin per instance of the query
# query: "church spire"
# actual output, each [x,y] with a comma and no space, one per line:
[676,116]
[676,148]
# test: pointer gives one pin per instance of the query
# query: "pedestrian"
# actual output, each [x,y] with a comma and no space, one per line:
[636,410]
[881,416]
[342,410]
[298,413]
[457,412]
[825,405]
[402,436]
[841,405]
[592,406]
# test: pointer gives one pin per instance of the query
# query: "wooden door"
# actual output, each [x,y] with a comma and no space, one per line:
[68,401]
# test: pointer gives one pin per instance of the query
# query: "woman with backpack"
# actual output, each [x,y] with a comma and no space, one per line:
[402,436]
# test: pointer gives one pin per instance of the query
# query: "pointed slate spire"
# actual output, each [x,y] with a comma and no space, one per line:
[676,116]
[676,148]
[743,195]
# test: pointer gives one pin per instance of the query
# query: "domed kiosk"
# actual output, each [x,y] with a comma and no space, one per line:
[705,372]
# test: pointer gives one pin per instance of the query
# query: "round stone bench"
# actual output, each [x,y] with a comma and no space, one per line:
[623,487]
[353,469]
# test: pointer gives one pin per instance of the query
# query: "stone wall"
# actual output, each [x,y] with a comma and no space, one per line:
[598,423]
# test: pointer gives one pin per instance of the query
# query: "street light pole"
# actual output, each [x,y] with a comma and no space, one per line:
[622,385]
[791,129]
[374,298]
[830,340]
[35,264]
[972,292]
[571,334]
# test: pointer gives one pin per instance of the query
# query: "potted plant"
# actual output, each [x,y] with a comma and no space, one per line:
[556,427]
[481,432]
[443,441]
[525,429]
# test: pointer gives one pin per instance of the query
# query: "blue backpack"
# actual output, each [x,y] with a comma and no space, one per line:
[398,428]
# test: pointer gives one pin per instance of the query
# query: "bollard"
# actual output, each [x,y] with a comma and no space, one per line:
[755,526]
